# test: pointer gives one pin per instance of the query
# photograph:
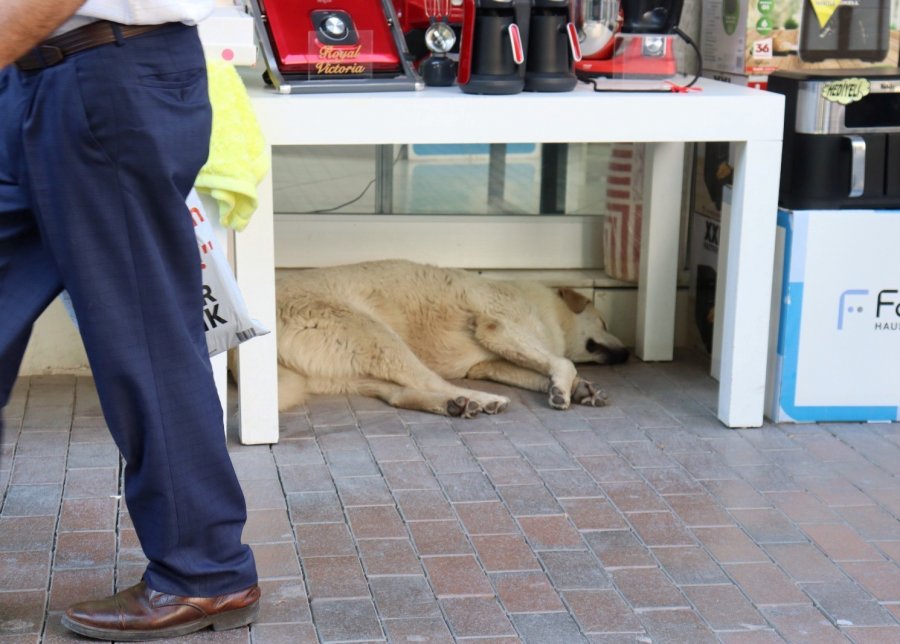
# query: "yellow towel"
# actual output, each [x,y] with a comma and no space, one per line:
[237,162]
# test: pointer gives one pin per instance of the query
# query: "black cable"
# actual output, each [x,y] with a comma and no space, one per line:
[360,195]
[696,49]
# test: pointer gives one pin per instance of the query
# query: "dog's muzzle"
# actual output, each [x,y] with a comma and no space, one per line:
[605,355]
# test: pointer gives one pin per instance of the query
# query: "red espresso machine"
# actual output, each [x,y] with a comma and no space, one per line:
[628,38]
[314,46]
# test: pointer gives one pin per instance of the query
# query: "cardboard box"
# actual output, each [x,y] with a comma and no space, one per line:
[753,38]
[835,332]
[229,34]
[703,257]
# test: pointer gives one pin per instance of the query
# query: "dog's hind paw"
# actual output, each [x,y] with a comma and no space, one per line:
[496,406]
[558,398]
[457,406]
[587,393]
[463,407]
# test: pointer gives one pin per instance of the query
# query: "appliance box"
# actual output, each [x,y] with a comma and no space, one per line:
[835,330]
[754,38]
[841,138]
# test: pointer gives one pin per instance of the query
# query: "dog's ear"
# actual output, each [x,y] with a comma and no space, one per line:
[574,300]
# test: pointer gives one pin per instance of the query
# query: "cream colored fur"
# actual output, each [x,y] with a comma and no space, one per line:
[399,331]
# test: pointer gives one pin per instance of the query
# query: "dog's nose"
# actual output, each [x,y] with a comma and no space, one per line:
[616,356]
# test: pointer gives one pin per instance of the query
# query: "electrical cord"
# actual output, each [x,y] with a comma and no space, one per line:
[361,194]
[672,88]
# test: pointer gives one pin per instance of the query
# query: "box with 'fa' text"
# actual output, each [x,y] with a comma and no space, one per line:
[835,335]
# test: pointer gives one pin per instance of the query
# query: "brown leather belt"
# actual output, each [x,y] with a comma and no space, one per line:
[53,50]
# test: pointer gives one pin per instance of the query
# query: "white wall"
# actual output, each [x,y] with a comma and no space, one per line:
[55,346]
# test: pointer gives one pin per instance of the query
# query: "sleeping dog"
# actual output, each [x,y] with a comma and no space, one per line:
[398,331]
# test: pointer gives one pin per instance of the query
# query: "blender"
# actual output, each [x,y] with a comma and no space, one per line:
[629,38]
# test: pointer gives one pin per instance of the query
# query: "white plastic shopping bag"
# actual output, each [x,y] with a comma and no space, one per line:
[225,314]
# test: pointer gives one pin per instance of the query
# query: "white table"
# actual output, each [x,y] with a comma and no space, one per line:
[752,119]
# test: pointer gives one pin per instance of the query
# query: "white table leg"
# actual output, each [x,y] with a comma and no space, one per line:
[254,250]
[658,277]
[744,312]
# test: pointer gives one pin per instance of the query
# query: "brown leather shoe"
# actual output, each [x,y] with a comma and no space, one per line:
[139,613]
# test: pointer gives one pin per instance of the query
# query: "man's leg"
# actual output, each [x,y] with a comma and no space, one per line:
[28,278]
[116,144]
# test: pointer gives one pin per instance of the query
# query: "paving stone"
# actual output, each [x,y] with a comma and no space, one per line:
[276,560]
[504,552]
[457,576]
[423,505]
[765,583]
[880,578]
[376,522]
[699,510]
[468,487]
[619,549]
[394,448]
[660,529]
[802,623]
[573,570]
[648,588]
[730,545]
[26,533]
[676,626]
[528,500]
[489,517]
[323,539]
[724,607]
[841,543]
[476,617]
[551,532]
[804,562]
[570,483]
[510,471]
[389,557]
[847,604]
[404,597]
[547,627]
[346,620]
[433,630]
[409,475]
[439,538]
[602,611]
[634,496]
[690,565]
[593,514]
[363,490]
[526,592]
[671,480]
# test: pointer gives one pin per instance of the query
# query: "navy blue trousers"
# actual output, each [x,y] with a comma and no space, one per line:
[97,155]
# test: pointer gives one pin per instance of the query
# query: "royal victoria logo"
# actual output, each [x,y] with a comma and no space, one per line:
[884,309]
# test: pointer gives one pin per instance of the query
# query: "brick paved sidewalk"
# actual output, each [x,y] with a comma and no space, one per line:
[645,521]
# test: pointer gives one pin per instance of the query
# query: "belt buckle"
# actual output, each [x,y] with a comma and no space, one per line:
[40,57]
[49,55]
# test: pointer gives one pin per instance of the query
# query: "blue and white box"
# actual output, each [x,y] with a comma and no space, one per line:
[835,335]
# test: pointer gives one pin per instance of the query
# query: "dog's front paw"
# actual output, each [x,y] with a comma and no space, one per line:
[559,399]
[587,393]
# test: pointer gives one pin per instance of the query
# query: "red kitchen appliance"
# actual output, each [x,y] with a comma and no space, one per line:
[492,46]
[333,46]
[416,16]
[629,38]
[553,47]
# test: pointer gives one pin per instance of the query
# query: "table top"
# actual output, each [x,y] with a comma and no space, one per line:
[716,112]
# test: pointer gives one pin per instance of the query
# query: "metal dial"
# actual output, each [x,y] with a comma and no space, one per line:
[440,37]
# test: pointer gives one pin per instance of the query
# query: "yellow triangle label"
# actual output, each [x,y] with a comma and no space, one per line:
[824,10]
